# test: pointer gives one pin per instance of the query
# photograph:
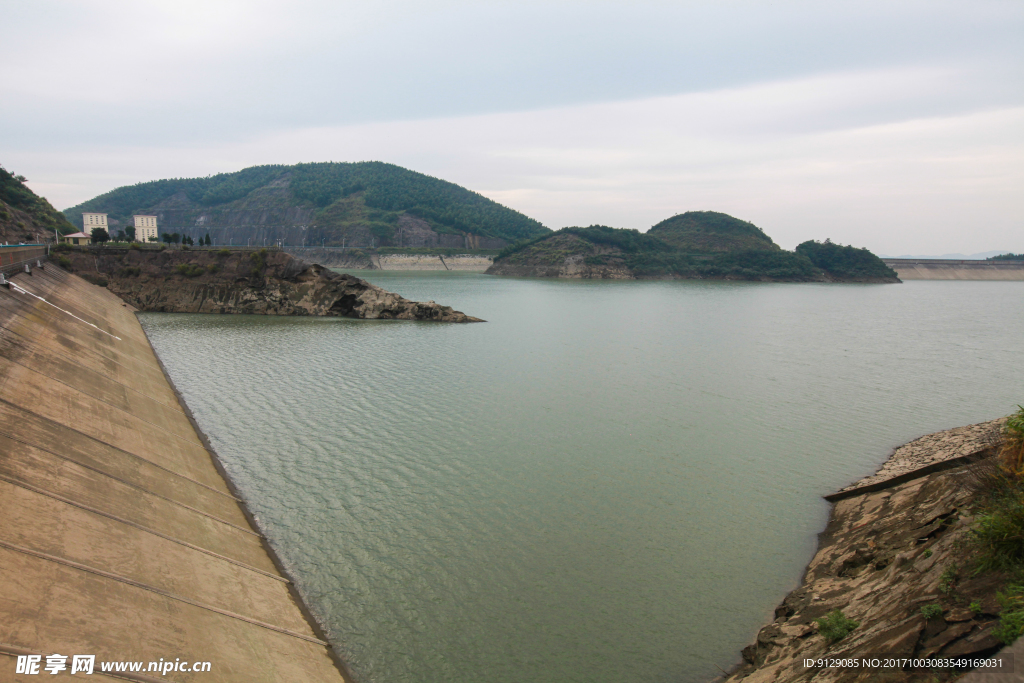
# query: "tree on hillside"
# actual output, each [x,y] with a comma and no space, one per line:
[98,236]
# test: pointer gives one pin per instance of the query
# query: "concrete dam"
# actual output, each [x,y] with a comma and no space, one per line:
[950,269]
[122,543]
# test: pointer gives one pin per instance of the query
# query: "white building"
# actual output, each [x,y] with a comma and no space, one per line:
[145,227]
[91,221]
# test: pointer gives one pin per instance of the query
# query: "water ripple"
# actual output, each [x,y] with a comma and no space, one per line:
[606,482]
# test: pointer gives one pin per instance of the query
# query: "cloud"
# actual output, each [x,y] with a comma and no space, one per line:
[883,124]
[782,155]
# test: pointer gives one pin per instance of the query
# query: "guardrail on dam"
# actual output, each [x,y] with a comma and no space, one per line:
[950,269]
[120,538]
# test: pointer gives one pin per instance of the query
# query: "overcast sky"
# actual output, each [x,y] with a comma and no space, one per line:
[898,126]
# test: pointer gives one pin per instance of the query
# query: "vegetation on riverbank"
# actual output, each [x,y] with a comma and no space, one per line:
[997,539]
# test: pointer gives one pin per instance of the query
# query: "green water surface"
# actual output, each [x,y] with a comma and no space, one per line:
[607,481]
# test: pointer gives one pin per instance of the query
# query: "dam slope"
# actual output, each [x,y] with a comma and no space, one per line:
[946,269]
[119,535]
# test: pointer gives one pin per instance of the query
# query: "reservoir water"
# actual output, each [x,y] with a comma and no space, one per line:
[608,481]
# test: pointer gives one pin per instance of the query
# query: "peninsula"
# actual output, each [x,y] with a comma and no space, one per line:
[260,281]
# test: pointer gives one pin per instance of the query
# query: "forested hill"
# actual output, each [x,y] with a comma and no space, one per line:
[24,215]
[357,204]
[711,231]
[697,245]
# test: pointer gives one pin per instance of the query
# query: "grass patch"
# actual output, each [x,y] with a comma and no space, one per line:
[1011,618]
[190,269]
[836,626]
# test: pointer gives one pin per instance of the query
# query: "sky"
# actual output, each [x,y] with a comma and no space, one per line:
[893,126]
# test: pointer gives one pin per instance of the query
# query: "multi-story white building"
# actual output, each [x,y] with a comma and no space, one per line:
[145,227]
[91,221]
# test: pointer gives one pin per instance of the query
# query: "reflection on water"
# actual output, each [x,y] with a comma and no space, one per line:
[608,481]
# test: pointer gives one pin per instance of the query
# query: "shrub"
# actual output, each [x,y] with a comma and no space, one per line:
[948,580]
[190,269]
[64,262]
[836,626]
[931,611]
[1011,619]
[1000,532]
[1013,448]
[259,259]
[223,252]
[212,268]
[975,607]
[134,245]
[129,271]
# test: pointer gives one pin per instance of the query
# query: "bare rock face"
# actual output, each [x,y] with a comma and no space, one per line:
[245,281]
[884,555]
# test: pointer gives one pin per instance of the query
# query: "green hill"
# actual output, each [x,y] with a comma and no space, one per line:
[845,263]
[710,232]
[695,245]
[25,216]
[357,204]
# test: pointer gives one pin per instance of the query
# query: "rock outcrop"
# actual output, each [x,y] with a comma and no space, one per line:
[885,555]
[243,281]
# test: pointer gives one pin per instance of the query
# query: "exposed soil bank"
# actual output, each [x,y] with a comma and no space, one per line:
[260,282]
[885,554]
[357,259]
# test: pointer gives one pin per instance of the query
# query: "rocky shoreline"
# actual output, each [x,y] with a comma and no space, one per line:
[891,547]
[243,281]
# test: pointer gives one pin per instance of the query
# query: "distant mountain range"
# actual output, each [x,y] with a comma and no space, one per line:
[324,204]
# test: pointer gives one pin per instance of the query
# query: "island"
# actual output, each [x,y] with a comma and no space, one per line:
[692,245]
